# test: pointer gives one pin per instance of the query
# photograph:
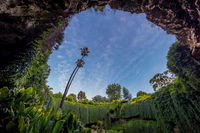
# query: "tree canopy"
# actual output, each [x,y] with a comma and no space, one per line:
[99,98]
[160,80]
[126,94]
[113,91]
[58,95]
[71,97]
[141,93]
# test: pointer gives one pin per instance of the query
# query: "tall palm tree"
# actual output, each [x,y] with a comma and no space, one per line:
[84,51]
[79,64]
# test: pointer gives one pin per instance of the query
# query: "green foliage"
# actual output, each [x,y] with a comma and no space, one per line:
[58,95]
[89,113]
[86,101]
[30,68]
[4,93]
[100,124]
[113,131]
[99,99]
[126,94]
[26,111]
[113,91]
[175,106]
[184,65]
[141,109]
[172,108]
[162,79]
[140,98]
[141,93]
[99,8]
[138,126]
[174,103]
[117,101]
[71,97]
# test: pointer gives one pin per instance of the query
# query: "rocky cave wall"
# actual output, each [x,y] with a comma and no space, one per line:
[23,21]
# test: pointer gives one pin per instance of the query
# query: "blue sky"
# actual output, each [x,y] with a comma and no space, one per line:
[124,48]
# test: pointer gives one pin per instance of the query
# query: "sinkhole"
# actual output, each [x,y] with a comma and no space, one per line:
[124,48]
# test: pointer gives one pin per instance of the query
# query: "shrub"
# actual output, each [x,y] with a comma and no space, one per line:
[58,95]
[71,99]
[86,101]
[24,110]
[184,65]
[116,101]
[140,98]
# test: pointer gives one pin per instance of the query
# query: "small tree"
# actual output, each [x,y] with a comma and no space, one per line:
[81,96]
[162,79]
[71,97]
[99,98]
[126,94]
[79,64]
[58,95]
[141,93]
[113,91]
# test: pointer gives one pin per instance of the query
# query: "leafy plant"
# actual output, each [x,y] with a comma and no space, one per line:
[162,79]
[141,93]
[99,99]
[71,97]
[29,112]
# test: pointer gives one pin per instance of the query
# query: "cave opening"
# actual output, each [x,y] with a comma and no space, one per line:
[37,21]
[125,48]
[29,31]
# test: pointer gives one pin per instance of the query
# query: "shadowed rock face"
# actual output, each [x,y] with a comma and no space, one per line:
[23,21]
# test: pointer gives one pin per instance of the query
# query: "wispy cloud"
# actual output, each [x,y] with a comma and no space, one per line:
[59,56]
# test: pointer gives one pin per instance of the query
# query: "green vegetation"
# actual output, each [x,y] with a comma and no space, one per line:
[162,79]
[99,99]
[126,94]
[113,91]
[137,126]
[24,110]
[58,95]
[90,113]
[32,110]
[141,93]
[184,65]
[173,108]
[140,98]
[71,97]
[30,67]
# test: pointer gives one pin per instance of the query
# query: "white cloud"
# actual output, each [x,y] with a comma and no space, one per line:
[59,56]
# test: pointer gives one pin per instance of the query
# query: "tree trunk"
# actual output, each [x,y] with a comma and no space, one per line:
[72,79]
[66,88]
[69,84]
